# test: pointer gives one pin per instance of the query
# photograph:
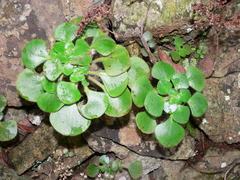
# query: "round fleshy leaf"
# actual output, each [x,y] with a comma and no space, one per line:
[178,42]
[181,115]
[140,90]
[164,86]
[169,133]
[103,44]
[49,86]
[198,104]
[81,47]
[162,70]
[78,74]
[119,106]
[169,108]
[68,69]
[147,36]
[53,69]
[29,85]
[68,121]
[115,85]
[65,32]
[82,60]
[92,170]
[188,49]
[63,47]
[180,80]
[154,104]
[182,52]
[196,78]
[68,92]
[34,54]
[175,56]
[76,20]
[116,63]
[3,102]
[104,159]
[49,102]
[8,130]
[152,43]
[184,95]
[145,122]
[135,169]
[91,32]
[96,106]
[138,68]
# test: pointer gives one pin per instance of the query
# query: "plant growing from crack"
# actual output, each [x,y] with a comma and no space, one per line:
[8,129]
[80,79]
[110,168]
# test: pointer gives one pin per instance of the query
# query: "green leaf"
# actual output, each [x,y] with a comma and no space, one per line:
[103,44]
[76,20]
[147,36]
[81,47]
[3,102]
[135,169]
[49,86]
[8,130]
[68,121]
[68,92]
[138,68]
[180,80]
[92,170]
[115,85]
[119,106]
[91,32]
[116,63]
[82,60]
[65,32]
[181,115]
[104,159]
[152,43]
[1,115]
[34,54]
[178,41]
[188,49]
[164,86]
[154,104]
[169,107]
[29,85]
[78,74]
[49,102]
[198,104]
[162,70]
[196,78]
[145,122]
[114,165]
[53,69]
[182,52]
[96,106]
[68,69]
[140,90]
[184,95]
[169,133]
[175,55]
[63,47]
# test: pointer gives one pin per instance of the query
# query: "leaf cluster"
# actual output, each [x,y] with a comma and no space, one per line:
[110,168]
[8,129]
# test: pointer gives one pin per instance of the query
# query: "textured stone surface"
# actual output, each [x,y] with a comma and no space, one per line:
[222,119]
[37,146]
[129,16]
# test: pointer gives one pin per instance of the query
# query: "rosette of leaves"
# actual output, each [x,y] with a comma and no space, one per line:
[172,96]
[62,80]
[109,168]
[181,50]
[8,129]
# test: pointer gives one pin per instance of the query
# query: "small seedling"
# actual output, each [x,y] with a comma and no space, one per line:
[110,168]
[8,129]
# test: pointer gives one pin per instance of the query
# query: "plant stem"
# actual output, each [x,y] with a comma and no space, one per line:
[93,73]
[96,82]
[95,61]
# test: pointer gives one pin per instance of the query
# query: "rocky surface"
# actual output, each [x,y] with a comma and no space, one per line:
[130,16]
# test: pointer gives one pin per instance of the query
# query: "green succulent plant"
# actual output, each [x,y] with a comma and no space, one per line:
[8,129]
[110,168]
[172,97]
